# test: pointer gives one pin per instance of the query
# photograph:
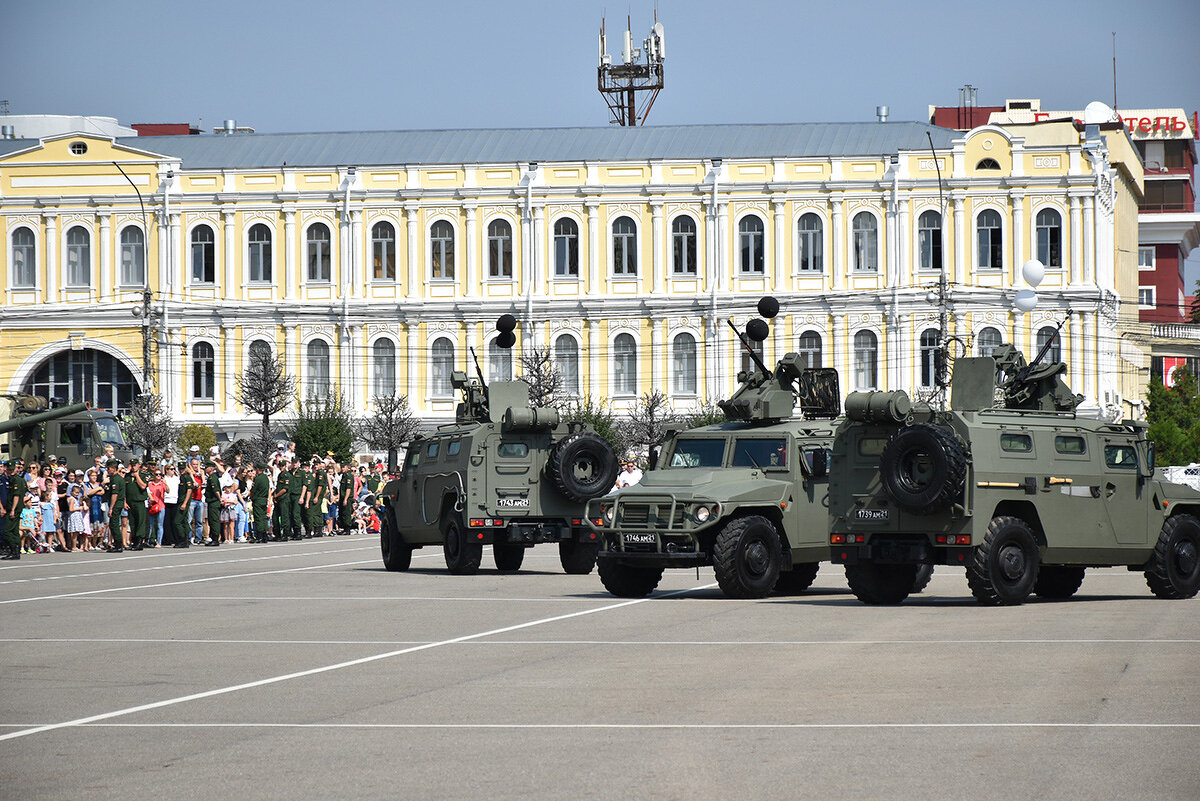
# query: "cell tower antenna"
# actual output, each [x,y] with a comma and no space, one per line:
[631,87]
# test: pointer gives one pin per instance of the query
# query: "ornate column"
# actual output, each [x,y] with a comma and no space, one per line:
[105,283]
[719,262]
[53,267]
[535,252]
[961,251]
[471,250]
[358,268]
[837,359]
[780,277]
[656,233]
[229,256]
[904,243]
[227,354]
[293,358]
[656,354]
[291,281]
[168,361]
[1082,267]
[593,345]
[171,275]
[1020,234]
[593,223]
[413,230]
[412,359]
[837,241]
[1089,386]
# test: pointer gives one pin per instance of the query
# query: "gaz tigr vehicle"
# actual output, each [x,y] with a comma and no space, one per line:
[32,430]
[1021,492]
[504,474]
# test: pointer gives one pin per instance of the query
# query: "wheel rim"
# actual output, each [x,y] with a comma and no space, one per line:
[916,470]
[1185,557]
[585,470]
[1012,562]
[757,558]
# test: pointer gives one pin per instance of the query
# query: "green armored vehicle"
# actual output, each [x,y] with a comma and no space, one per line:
[32,430]
[504,474]
[1018,490]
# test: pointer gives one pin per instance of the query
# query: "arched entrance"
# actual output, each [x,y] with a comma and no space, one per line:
[85,375]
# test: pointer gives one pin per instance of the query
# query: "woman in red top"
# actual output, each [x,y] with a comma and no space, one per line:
[157,489]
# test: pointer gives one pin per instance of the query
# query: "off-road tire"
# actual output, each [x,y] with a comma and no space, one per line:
[1174,569]
[747,556]
[397,554]
[1056,582]
[1004,567]
[798,579]
[942,462]
[577,558]
[880,585]
[462,554]
[627,581]
[582,466]
[924,574]
[508,556]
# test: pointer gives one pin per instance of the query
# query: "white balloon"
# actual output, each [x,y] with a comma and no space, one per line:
[1026,300]
[1033,271]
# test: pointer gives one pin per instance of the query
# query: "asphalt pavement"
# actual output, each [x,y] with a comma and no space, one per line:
[305,670]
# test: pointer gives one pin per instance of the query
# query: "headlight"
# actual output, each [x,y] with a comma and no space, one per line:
[702,514]
[607,513]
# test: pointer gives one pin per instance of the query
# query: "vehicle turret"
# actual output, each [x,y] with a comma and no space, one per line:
[26,412]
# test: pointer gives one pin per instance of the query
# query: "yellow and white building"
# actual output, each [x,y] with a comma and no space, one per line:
[373,261]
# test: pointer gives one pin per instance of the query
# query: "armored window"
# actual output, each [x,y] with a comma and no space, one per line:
[204,372]
[990,251]
[929,240]
[454,447]
[625,379]
[79,257]
[810,349]
[751,240]
[866,242]
[1049,334]
[683,245]
[440,367]
[500,366]
[866,360]
[383,354]
[929,356]
[431,450]
[260,253]
[318,243]
[989,340]
[624,239]
[383,251]
[512,450]
[698,453]
[1070,444]
[987,164]
[1015,443]
[566,360]
[499,250]
[871,446]
[566,248]
[441,250]
[318,369]
[24,258]
[748,365]
[1049,237]
[760,452]
[683,364]
[204,255]
[1120,457]
[812,243]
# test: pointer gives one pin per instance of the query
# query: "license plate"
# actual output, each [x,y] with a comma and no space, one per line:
[640,539]
[871,515]
[512,503]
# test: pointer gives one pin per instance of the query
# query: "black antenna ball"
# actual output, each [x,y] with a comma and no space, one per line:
[506,323]
[507,338]
[757,329]
[768,306]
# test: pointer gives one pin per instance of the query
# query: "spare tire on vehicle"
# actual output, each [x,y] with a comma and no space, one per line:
[923,468]
[583,466]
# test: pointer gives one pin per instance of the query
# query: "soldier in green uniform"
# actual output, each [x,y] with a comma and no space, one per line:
[318,486]
[212,501]
[116,505]
[281,517]
[16,503]
[346,500]
[297,487]
[136,494]
[187,484]
[260,491]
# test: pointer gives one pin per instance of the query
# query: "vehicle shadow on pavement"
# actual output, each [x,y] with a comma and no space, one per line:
[441,571]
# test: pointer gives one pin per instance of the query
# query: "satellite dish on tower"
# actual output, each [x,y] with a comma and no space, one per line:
[1097,113]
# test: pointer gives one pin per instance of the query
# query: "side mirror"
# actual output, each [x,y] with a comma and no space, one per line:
[1146,463]
[653,458]
[814,463]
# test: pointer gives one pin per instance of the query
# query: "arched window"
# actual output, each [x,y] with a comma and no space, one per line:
[748,365]
[24,258]
[625,380]
[500,366]
[260,253]
[318,243]
[1049,238]
[987,164]
[441,251]
[204,372]
[79,257]
[133,256]
[683,364]
[683,245]
[810,349]
[750,245]
[566,360]
[441,364]
[566,248]
[71,376]
[499,249]
[1048,334]
[866,360]
[318,369]
[383,251]
[624,246]
[866,242]
[929,240]
[988,339]
[204,255]
[812,243]
[383,354]
[990,242]
[260,354]
[929,356]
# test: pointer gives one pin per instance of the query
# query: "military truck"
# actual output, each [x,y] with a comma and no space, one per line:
[1008,483]
[31,430]
[505,474]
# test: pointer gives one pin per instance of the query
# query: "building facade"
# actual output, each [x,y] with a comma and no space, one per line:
[373,262]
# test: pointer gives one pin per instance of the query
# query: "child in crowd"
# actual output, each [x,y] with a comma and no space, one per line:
[76,528]
[229,502]
[30,523]
[50,522]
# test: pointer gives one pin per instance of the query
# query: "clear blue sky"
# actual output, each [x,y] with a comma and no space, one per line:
[371,65]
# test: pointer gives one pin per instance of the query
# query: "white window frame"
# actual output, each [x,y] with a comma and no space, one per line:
[975,240]
[941,235]
[434,387]
[1037,229]
[554,237]
[139,252]
[192,371]
[487,251]
[820,239]
[857,367]
[803,353]
[307,385]
[269,262]
[1153,297]
[453,277]
[395,240]
[575,388]
[742,270]
[671,234]
[619,390]
[1153,251]
[376,390]
[308,254]
[33,262]
[694,378]
[191,255]
[88,264]
[612,248]
[855,269]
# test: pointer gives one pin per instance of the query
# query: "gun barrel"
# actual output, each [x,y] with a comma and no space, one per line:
[19,421]
[757,361]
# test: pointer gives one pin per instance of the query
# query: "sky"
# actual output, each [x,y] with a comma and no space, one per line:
[377,65]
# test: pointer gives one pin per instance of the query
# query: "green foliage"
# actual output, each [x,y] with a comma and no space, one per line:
[706,414]
[196,434]
[323,425]
[599,416]
[1174,418]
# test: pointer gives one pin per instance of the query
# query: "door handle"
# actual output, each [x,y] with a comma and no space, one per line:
[1109,490]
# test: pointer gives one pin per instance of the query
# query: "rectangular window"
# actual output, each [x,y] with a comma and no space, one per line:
[760,452]
[1070,445]
[871,446]
[431,450]
[1146,258]
[698,453]
[512,450]
[454,448]
[1146,297]
[1120,457]
[1016,443]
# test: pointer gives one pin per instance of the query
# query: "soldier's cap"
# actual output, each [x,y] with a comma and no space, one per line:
[210,464]
[52,459]
[113,463]
[134,460]
[10,463]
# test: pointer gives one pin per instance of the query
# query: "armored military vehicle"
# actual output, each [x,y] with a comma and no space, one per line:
[1009,483]
[31,430]
[504,474]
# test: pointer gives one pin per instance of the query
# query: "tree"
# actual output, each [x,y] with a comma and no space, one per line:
[598,415]
[649,421]
[390,428]
[706,414]
[1173,414]
[264,389]
[148,426]
[196,434]
[321,426]
[543,377]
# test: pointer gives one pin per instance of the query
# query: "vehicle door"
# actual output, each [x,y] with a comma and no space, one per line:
[1121,488]
[75,442]
[512,476]
[408,500]
[807,515]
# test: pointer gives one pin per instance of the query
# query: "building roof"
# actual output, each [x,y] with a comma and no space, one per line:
[512,145]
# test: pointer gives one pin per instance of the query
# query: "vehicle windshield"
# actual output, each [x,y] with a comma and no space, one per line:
[110,432]
[760,452]
[697,452]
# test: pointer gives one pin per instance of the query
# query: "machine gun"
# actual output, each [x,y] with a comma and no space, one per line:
[1035,386]
[475,404]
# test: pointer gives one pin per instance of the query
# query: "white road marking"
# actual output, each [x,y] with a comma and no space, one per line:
[634,726]
[688,643]
[327,668]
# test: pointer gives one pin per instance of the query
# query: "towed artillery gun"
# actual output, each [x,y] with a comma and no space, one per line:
[32,430]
